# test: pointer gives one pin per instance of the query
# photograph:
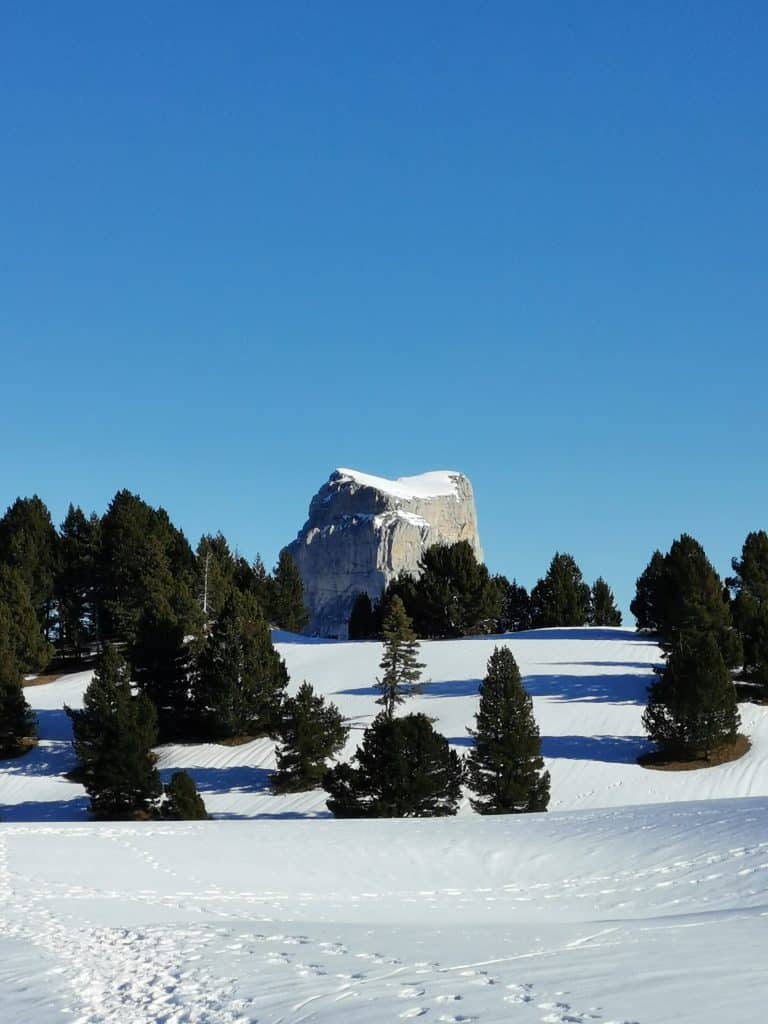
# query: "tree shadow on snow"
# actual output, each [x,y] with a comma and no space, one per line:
[608,749]
[647,666]
[238,779]
[603,689]
[77,809]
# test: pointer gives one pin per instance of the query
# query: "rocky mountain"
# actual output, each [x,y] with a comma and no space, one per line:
[364,530]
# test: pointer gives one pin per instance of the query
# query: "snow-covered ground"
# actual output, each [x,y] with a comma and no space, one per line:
[641,898]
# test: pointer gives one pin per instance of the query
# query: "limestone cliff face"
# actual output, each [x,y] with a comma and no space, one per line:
[363,530]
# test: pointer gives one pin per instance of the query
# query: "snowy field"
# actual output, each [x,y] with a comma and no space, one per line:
[641,897]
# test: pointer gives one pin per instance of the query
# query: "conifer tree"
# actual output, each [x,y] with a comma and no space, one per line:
[30,649]
[238,685]
[362,621]
[562,597]
[77,583]
[404,770]
[113,737]
[216,568]
[648,604]
[288,595]
[454,595]
[505,768]
[311,733]
[400,669]
[182,802]
[603,610]
[750,605]
[28,544]
[692,707]
[515,614]
[161,659]
[17,722]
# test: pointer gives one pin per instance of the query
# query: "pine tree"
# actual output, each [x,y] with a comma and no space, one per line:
[113,737]
[362,621]
[77,582]
[400,669]
[216,568]
[182,801]
[30,649]
[288,595]
[681,593]
[238,685]
[750,605]
[515,614]
[29,544]
[17,722]
[562,597]
[161,660]
[454,595]
[692,707]
[505,769]
[603,610]
[311,733]
[404,770]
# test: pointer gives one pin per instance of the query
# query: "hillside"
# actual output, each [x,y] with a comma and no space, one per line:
[588,687]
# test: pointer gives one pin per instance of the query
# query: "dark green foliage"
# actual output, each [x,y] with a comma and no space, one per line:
[147,566]
[400,669]
[113,738]
[650,595]
[30,649]
[182,801]
[161,661]
[17,722]
[28,544]
[288,611]
[311,733]
[603,610]
[238,686]
[692,707]
[562,597]
[680,592]
[216,569]
[454,595]
[505,768]
[404,770]
[77,582]
[750,605]
[515,614]
[363,621]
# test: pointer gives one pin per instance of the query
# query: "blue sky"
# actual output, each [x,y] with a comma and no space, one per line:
[245,243]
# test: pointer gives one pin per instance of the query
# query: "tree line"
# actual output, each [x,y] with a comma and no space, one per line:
[454,595]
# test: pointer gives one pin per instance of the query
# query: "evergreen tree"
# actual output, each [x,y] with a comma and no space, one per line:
[505,769]
[216,567]
[147,566]
[238,685]
[603,610]
[692,707]
[161,660]
[77,582]
[650,595]
[404,770]
[400,669]
[17,722]
[288,595]
[681,593]
[182,801]
[30,649]
[311,733]
[562,597]
[515,614]
[362,620]
[454,595]
[750,605]
[113,737]
[28,544]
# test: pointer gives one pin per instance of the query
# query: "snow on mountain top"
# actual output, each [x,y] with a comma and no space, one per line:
[438,484]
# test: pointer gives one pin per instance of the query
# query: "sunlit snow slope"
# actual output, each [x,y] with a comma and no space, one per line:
[588,687]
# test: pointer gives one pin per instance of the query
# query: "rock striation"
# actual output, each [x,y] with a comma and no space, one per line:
[363,530]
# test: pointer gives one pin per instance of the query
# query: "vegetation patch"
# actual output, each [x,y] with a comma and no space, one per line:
[21,747]
[668,762]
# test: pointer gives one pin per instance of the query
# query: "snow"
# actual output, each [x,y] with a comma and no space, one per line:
[640,897]
[438,484]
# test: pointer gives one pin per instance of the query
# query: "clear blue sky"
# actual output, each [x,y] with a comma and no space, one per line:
[245,243]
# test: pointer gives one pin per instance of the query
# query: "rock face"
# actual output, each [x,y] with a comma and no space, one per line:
[363,530]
